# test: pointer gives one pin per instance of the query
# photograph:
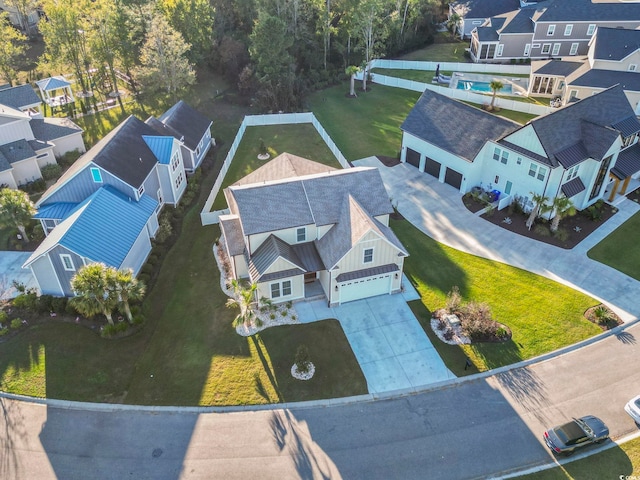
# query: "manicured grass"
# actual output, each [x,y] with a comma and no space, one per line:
[450,51]
[542,315]
[622,239]
[618,462]
[366,125]
[426,76]
[298,139]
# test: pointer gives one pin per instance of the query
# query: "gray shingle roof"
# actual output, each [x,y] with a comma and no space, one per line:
[597,138]
[606,78]
[487,34]
[521,22]
[485,8]
[628,162]
[559,68]
[19,97]
[52,128]
[454,126]
[615,43]
[17,151]
[4,163]
[188,121]
[587,10]
[306,200]
[232,232]
[573,187]
[569,125]
[284,166]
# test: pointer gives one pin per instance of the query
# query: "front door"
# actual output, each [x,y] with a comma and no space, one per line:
[310,277]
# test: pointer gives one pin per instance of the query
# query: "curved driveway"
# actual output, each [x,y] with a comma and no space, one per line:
[470,428]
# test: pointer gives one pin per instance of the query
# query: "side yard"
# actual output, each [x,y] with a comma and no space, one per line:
[623,239]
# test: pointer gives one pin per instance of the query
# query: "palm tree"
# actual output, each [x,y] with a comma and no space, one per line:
[563,207]
[128,289]
[452,23]
[351,71]
[244,299]
[495,86]
[94,286]
[538,201]
[16,210]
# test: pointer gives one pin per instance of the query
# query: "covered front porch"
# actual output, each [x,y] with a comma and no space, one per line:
[624,175]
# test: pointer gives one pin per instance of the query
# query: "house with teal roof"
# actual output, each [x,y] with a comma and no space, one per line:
[105,207]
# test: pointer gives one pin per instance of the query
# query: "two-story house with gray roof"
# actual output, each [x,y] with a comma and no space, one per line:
[296,226]
[474,13]
[28,143]
[585,151]
[548,29]
[613,58]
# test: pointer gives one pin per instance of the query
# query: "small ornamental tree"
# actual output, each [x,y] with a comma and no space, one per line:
[94,286]
[302,361]
[16,210]
[563,207]
[538,201]
[128,289]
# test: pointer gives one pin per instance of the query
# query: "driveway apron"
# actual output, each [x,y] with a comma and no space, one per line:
[437,210]
[387,340]
[11,270]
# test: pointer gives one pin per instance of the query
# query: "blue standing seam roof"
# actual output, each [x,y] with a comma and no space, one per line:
[161,146]
[109,226]
[55,211]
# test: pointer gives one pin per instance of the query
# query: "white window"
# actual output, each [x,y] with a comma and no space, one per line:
[591,29]
[567,30]
[505,157]
[96,175]
[572,173]
[633,67]
[496,154]
[556,49]
[573,94]
[179,180]
[301,234]
[281,289]
[67,262]
[527,49]
[519,161]
[174,162]
[141,191]
[537,171]
[42,155]
[476,22]
[535,45]
[551,30]
[368,255]
[499,50]
[574,48]
[546,48]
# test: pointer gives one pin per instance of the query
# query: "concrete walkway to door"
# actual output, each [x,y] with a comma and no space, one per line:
[386,338]
[438,211]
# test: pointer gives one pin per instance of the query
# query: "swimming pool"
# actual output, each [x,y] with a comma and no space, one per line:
[481,86]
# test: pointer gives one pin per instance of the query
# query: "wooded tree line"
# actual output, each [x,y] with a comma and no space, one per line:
[273,50]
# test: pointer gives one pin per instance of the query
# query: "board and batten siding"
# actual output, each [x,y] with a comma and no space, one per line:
[81,186]
[12,129]
[68,144]
[297,289]
[6,178]
[288,235]
[151,184]
[138,254]
[45,276]
[26,170]
[63,275]
[526,138]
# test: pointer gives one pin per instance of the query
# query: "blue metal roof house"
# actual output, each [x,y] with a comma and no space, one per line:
[105,207]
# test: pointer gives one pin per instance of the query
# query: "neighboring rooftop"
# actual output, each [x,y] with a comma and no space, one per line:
[284,166]
[188,121]
[53,128]
[586,10]
[484,8]
[615,43]
[22,96]
[555,67]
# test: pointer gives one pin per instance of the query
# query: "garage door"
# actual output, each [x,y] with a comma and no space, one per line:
[413,158]
[453,178]
[432,168]
[364,288]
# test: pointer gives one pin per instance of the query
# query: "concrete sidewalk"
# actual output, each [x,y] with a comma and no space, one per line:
[437,210]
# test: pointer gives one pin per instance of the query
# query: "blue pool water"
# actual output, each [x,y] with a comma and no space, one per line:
[480,86]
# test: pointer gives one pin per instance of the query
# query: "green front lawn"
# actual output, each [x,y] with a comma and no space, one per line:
[621,462]
[298,139]
[366,125]
[619,249]
[542,315]
[446,50]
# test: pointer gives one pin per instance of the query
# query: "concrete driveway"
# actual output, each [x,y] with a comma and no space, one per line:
[10,270]
[387,340]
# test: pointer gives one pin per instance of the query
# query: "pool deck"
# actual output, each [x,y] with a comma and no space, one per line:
[519,85]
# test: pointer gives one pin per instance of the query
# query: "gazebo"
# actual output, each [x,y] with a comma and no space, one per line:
[50,91]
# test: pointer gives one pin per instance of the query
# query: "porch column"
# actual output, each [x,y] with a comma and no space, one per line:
[423,162]
[625,185]
[612,195]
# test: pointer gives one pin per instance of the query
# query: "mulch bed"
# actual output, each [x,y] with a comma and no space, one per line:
[613,321]
[388,161]
[576,228]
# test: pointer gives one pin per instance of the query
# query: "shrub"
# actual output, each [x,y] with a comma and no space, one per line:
[561,234]
[144,278]
[152,260]
[3,331]
[45,303]
[147,269]
[289,304]
[16,323]
[541,230]
[69,309]
[3,317]
[448,335]
[602,314]
[454,300]
[490,210]
[165,229]
[51,171]
[302,360]
[138,319]
[501,332]
[28,301]
[294,318]
[284,312]
[112,330]
[272,316]
[477,323]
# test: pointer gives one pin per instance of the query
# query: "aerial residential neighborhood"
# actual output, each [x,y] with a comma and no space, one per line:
[318,240]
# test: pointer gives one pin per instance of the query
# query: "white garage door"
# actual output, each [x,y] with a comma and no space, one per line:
[364,288]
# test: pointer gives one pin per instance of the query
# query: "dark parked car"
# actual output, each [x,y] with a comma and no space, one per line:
[576,433]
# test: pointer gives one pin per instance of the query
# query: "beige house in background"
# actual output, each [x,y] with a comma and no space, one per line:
[297,228]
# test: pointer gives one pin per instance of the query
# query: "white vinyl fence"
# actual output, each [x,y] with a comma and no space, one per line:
[207,217]
[463,95]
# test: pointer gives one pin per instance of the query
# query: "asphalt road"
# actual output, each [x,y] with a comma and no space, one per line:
[472,429]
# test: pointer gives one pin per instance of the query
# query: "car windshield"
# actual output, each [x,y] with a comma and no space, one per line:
[569,433]
[637,403]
